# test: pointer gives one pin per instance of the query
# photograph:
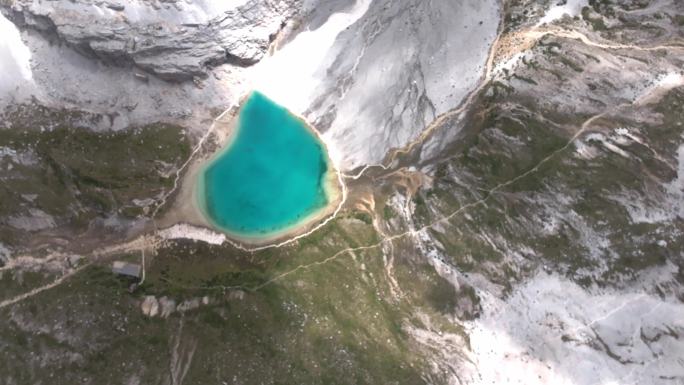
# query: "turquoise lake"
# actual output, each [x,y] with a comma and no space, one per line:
[271,175]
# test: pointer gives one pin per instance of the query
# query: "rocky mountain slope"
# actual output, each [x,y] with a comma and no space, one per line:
[514,211]
[172,40]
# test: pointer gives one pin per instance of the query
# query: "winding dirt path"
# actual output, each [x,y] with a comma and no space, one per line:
[38,290]
[576,35]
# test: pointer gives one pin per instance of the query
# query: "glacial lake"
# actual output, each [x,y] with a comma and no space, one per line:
[270,177]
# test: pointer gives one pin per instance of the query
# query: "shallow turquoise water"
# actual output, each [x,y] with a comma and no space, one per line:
[270,177]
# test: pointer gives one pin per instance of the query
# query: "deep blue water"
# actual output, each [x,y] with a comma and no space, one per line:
[270,177]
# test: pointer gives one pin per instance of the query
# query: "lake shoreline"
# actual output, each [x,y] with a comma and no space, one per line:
[331,183]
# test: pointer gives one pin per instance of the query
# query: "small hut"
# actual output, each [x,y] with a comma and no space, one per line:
[127,269]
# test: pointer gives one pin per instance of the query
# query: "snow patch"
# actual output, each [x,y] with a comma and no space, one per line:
[570,8]
[15,58]
[185,231]
[289,77]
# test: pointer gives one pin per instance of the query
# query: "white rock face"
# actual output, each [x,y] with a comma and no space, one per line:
[552,331]
[180,12]
[61,77]
[110,45]
[174,40]
[395,69]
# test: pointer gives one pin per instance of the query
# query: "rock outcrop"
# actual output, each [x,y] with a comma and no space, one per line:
[168,306]
[163,307]
[174,40]
[150,306]
[396,69]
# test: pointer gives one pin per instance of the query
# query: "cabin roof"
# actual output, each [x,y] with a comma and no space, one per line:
[125,268]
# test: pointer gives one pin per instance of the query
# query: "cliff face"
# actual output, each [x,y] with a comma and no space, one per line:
[173,40]
[366,97]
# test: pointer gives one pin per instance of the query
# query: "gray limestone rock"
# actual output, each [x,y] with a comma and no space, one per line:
[187,305]
[402,64]
[176,42]
[150,306]
[168,306]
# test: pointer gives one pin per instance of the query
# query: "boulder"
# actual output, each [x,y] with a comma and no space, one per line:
[150,306]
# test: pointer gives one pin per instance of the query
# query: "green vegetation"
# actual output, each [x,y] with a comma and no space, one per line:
[442,296]
[16,282]
[525,79]
[101,326]
[330,323]
[679,20]
[595,20]
[388,212]
[59,166]
[571,196]
[482,152]
[574,66]
[604,7]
